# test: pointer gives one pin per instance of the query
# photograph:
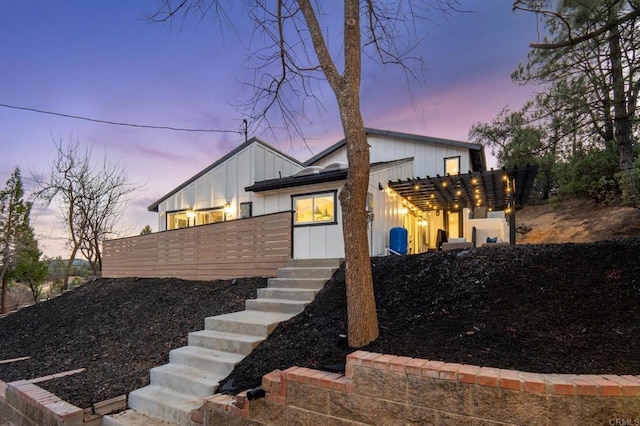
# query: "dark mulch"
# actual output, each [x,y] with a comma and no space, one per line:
[563,308]
[566,308]
[117,329]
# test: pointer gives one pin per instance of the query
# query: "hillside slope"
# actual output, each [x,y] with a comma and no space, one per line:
[562,308]
[556,308]
[576,221]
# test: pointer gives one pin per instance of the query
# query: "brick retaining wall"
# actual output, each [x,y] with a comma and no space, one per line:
[383,390]
[390,390]
[24,403]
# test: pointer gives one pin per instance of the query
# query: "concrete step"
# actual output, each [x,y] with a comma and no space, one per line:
[314,263]
[187,380]
[277,305]
[306,283]
[222,341]
[133,418]
[306,272]
[165,404]
[287,293]
[253,323]
[217,362]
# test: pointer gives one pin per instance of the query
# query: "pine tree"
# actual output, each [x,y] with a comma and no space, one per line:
[14,222]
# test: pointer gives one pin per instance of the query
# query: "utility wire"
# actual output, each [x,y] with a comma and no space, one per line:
[115,123]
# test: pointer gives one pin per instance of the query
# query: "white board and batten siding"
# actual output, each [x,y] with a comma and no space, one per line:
[387,210]
[428,158]
[326,241]
[309,242]
[225,182]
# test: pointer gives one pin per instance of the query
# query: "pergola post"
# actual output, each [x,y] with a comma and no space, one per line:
[512,226]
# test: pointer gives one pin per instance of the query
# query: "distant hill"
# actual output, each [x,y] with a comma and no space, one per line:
[80,262]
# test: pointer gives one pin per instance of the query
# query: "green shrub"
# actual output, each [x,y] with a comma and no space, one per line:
[591,174]
[629,183]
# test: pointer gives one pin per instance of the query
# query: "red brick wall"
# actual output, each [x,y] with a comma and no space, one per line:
[390,390]
[24,403]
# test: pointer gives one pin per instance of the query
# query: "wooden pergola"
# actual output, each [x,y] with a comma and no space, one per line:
[505,189]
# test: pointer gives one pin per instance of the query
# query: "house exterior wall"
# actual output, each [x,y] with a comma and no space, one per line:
[313,241]
[428,158]
[326,241]
[387,209]
[226,182]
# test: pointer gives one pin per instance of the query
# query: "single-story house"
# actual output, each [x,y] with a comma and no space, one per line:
[419,183]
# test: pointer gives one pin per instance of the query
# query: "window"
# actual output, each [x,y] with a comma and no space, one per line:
[209,216]
[452,166]
[313,209]
[178,220]
[187,218]
[246,209]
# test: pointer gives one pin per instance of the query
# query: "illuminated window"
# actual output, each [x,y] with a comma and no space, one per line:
[315,208]
[178,220]
[452,165]
[209,216]
[187,218]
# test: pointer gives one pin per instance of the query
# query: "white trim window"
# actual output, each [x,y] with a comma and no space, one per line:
[452,166]
[314,209]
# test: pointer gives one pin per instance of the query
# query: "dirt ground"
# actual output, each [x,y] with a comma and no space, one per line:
[562,308]
[576,221]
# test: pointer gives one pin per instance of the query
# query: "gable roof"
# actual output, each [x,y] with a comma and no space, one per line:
[476,150]
[321,177]
[154,207]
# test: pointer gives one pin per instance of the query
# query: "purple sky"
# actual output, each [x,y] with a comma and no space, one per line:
[102,59]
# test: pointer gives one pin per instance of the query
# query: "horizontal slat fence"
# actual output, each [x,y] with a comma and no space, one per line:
[252,247]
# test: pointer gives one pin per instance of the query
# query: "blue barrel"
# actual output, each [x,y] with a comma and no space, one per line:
[398,240]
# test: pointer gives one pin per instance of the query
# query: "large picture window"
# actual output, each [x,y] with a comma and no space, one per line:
[210,216]
[179,220]
[189,218]
[311,209]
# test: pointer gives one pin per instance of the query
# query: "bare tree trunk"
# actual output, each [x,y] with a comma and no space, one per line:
[68,270]
[4,302]
[5,294]
[623,120]
[361,305]
[621,124]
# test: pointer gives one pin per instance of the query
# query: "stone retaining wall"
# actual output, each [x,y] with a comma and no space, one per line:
[391,390]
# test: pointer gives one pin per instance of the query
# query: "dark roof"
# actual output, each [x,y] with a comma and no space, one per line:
[321,177]
[154,207]
[490,188]
[476,150]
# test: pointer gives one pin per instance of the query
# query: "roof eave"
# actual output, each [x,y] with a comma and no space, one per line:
[397,135]
[154,207]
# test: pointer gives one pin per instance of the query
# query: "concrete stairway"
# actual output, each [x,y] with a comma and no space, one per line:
[194,371]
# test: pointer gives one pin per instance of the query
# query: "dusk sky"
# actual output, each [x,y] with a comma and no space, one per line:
[102,59]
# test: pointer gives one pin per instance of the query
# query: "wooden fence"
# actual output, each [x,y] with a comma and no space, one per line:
[252,247]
